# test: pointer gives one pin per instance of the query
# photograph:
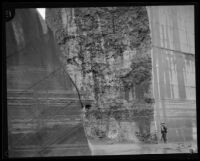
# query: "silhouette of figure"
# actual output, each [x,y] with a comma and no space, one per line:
[163,132]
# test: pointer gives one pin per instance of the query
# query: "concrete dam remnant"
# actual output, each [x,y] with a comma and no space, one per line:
[44,111]
[107,53]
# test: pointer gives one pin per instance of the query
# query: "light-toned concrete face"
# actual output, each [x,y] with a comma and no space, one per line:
[173,56]
[170,20]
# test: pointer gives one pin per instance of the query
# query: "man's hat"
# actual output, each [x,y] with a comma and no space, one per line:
[162,123]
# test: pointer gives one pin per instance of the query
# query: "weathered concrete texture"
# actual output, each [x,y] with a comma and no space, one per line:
[43,109]
[172,32]
[98,46]
[107,53]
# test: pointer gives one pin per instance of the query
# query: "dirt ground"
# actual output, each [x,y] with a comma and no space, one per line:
[110,148]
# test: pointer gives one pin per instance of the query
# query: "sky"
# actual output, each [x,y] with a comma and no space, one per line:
[42,12]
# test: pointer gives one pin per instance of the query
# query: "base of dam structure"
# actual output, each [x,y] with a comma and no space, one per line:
[61,140]
[43,107]
[52,127]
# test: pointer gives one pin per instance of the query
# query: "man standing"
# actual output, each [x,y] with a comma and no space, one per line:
[164,132]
